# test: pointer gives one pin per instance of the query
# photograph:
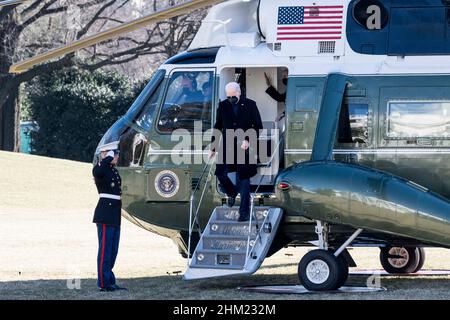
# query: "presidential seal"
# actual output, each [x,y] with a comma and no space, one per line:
[167,184]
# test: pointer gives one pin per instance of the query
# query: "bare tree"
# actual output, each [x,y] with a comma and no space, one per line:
[41,25]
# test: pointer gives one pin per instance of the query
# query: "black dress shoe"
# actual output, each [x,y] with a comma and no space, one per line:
[231,201]
[107,289]
[116,287]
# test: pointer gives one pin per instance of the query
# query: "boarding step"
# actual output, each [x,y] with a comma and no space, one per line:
[232,214]
[226,246]
[226,259]
[234,243]
[233,228]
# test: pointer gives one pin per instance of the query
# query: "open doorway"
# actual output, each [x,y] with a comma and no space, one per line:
[254,86]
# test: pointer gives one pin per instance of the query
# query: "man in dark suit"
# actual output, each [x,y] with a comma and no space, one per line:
[238,147]
[107,215]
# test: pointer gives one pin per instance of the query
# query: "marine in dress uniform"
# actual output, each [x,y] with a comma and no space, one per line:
[107,215]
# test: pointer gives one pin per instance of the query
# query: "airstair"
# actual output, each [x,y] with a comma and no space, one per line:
[228,247]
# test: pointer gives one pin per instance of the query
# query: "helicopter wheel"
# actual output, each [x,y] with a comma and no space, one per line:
[344,270]
[320,270]
[421,259]
[402,260]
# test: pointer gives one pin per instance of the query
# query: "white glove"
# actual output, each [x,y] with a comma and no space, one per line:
[110,154]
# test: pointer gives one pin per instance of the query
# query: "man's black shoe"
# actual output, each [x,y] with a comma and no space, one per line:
[107,289]
[231,201]
[116,287]
[243,218]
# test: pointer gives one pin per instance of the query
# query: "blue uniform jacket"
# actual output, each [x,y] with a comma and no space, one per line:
[107,180]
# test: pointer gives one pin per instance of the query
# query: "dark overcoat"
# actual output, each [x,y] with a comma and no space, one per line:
[248,117]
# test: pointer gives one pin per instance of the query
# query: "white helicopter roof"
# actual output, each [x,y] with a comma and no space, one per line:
[307,36]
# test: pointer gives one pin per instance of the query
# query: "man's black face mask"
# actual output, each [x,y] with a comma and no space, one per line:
[285,81]
[233,99]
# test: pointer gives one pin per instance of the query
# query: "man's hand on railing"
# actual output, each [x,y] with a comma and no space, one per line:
[245,145]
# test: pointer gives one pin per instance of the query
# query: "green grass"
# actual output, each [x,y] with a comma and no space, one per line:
[48,238]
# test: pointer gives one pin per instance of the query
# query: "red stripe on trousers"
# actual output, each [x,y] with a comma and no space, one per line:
[103,254]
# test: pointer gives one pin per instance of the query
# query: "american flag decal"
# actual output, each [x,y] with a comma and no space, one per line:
[310,23]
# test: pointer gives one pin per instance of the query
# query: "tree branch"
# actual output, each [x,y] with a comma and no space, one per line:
[86,28]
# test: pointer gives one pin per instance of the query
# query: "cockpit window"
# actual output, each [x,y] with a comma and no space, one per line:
[188,99]
[145,116]
[149,90]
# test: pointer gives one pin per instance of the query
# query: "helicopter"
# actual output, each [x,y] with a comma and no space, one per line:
[360,158]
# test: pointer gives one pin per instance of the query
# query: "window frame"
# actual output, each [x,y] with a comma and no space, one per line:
[159,87]
[166,89]
[387,126]
[349,100]
[139,103]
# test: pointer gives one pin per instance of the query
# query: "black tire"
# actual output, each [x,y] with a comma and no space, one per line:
[399,260]
[343,273]
[327,267]
[421,260]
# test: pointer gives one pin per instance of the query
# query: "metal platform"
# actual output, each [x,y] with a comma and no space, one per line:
[298,289]
[381,272]
[228,247]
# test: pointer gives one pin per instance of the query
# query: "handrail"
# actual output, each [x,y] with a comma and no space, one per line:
[249,229]
[258,234]
[194,220]
[270,162]
[266,166]
[258,237]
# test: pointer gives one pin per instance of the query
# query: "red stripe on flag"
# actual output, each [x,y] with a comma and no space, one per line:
[309,28]
[323,22]
[316,38]
[323,7]
[295,33]
[330,17]
[324,12]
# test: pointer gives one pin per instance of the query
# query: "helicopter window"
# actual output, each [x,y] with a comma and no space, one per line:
[188,99]
[353,123]
[426,119]
[149,89]
[145,117]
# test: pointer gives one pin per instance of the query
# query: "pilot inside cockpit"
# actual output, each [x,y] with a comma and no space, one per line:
[189,93]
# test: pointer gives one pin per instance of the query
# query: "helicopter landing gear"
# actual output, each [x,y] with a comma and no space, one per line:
[322,269]
[402,260]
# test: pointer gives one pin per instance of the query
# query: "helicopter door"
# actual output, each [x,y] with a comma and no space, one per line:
[177,143]
[253,86]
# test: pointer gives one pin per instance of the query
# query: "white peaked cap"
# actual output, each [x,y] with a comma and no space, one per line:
[109,146]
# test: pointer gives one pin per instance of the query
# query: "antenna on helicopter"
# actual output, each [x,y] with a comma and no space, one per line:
[112,33]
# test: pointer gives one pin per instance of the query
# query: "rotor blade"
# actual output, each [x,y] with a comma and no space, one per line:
[111,33]
[10,2]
